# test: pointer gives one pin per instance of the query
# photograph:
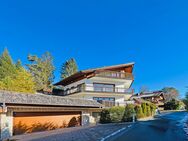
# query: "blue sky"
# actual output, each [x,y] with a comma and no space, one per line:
[151,33]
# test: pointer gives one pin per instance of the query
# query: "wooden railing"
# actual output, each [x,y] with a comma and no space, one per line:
[114,74]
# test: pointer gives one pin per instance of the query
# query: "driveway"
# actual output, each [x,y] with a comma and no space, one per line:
[168,127]
[91,133]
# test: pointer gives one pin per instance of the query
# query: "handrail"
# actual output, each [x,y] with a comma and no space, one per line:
[85,88]
[114,74]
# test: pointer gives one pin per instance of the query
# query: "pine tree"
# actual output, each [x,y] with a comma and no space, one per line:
[42,70]
[139,112]
[144,109]
[7,67]
[69,68]
[18,64]
[13,77]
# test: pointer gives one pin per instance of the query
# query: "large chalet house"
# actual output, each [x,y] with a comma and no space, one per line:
[110,86]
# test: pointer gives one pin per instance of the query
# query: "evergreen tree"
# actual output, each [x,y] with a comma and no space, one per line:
[18,64]
[42,70]
[7,67]
[148,111]
[69,68]
[139,112]
[13,77]
[144,109]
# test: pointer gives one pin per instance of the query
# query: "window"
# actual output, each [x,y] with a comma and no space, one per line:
[100,87]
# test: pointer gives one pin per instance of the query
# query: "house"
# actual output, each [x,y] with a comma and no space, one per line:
[110,86]
[156,97]
[26,113]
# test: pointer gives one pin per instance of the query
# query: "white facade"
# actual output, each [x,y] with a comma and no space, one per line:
[120,85]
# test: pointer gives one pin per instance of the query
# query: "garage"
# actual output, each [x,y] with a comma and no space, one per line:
[27,122]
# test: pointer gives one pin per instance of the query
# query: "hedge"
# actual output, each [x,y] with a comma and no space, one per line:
[125,114]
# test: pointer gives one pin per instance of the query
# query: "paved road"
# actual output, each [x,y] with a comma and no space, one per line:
[168,127]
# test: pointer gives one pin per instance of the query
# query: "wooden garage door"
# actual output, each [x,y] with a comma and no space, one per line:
[34,122]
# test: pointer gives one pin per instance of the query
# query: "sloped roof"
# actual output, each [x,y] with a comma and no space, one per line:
[148,94]
[85,73]
[44,100]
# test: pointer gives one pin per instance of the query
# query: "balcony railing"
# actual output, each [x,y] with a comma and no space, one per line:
[109,104]
[118,75]
[85,88]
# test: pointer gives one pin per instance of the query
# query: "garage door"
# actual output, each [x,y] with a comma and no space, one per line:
[35,121]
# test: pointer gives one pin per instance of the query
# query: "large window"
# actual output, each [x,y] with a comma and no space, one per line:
[106,101]
[100,87]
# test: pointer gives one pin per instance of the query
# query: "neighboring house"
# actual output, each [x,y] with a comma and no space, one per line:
[110,86]
[156,97]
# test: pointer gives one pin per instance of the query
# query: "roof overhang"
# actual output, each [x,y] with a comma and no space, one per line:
[91,72]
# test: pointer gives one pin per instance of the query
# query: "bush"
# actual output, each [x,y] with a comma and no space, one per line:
[144,109]
[116,114]
[153,108]
[148,111]
[105,116]
[129,112]
[139,112]
[125,114]
[172,105]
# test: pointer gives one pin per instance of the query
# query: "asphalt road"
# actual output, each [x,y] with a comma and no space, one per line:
[168,127]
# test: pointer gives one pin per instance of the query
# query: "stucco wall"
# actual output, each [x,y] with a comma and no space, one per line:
[119,83]
[6,123]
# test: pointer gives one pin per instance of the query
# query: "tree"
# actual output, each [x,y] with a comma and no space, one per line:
[185,100]
[144,89]
[170,93]
[13,77]
[144,109]
[22,82]
[18,64]
[129,112]
[148,111]
[68,68]
[172,105]
[42,69]
[7,67]
[139,112]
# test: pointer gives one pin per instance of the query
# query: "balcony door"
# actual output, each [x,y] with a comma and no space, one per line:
[100,87]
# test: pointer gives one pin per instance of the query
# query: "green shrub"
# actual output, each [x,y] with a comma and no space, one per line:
[105,116]
[144,109]
[153,108]
[139,112]
[173,105]
[129,112]
[148,110]
[116,114]
[125,114]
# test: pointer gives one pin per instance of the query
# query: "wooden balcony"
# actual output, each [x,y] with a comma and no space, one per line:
[117,75]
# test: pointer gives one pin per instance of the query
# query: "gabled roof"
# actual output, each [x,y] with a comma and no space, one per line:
[90,72]
[148,94]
